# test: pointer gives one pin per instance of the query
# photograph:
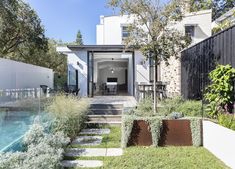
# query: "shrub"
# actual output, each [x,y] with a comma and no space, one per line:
[220,93]
[227,120]
[43,150]
[178,104]
[34,135]
[68,114]
[196,127]
[144,108]
[190,108]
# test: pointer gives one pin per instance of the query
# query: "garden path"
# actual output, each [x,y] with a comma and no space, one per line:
[89,137]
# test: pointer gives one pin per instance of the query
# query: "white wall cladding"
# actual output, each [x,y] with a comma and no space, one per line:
[78,60]
[18,75]
[219,141]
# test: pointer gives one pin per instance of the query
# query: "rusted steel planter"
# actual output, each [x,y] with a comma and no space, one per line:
[176,133]
[173,133]
[140,134]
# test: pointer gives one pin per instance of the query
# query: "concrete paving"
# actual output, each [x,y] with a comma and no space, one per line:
[82,163]
[87,140]
[93,152]
[95,131]
[127,101]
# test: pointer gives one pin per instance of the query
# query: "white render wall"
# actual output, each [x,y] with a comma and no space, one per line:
[18,75]
[202,21]
[73,59]
[109,31]
[220,142]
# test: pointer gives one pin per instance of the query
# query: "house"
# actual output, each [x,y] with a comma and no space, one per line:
[109,65]
[228,16]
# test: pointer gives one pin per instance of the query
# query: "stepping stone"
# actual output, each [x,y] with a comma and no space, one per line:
[82,163]
[95,131]
[93,152]
[87,140]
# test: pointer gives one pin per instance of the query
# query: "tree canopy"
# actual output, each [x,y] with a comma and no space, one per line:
[218,7]
[22,37]
[79,40]
[151,30]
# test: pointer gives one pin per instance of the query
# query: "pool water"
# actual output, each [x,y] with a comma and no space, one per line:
[13,125]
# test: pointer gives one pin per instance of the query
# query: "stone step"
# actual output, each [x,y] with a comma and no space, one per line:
[106,106]
[105,118]
[100,123]
[105,112]
[93,152]
[82,163]
[87,140]
[95,131]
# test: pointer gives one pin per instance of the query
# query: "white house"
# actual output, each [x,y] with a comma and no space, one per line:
[18,75]
[228,16]
[94,68]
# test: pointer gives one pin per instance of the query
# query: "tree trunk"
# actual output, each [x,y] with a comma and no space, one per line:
[154,88]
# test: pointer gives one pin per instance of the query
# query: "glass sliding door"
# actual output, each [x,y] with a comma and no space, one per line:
[90,74]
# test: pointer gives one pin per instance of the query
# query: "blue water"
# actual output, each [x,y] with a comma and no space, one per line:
[13,126]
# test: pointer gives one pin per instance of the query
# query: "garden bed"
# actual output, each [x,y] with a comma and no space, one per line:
[159,131]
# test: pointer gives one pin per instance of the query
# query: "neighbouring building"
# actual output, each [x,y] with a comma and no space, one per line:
[18,75]
[90,67]
[228,16]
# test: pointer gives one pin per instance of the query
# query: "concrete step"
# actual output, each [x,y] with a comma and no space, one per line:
[82,163]
[93,152]
[105,118]
[106,106]
[105,111]
[100,123]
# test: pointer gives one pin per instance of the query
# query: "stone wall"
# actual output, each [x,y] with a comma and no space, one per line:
[172,75]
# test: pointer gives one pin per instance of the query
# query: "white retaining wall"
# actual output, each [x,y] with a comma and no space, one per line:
[19,75]
[220,141]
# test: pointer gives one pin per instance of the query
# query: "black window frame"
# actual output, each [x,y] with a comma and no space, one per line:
[190,30]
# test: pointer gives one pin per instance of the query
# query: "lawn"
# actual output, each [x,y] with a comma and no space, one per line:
[163,157]
[112,140]
[153,158]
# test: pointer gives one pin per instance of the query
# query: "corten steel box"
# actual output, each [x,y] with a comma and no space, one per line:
[140,134]
[173,133]
[176,133]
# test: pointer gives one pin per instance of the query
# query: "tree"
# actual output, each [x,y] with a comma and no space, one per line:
[22,37]
[20,28]
[151,32]
[79,40]
[219,7]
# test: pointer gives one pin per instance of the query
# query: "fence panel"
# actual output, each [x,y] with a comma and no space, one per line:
[199,60]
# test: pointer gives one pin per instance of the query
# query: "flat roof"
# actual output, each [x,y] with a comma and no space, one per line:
[100,47]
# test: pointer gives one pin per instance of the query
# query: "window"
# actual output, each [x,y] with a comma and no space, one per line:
[125,32]
[190,31]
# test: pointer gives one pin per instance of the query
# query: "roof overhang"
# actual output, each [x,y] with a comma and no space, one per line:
[101,48]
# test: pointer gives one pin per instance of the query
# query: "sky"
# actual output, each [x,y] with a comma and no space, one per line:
[63,18]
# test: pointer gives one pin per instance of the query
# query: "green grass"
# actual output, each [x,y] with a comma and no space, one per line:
[153,158]
[112,140]
[162,157]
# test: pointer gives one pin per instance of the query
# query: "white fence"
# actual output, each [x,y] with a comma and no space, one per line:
[220,141]
[10,95]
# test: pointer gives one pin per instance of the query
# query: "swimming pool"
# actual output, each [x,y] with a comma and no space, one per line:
[13,125]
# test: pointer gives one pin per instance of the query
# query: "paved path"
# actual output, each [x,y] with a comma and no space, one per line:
[93,152]
[87,140]
[95,131]
[82,163]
